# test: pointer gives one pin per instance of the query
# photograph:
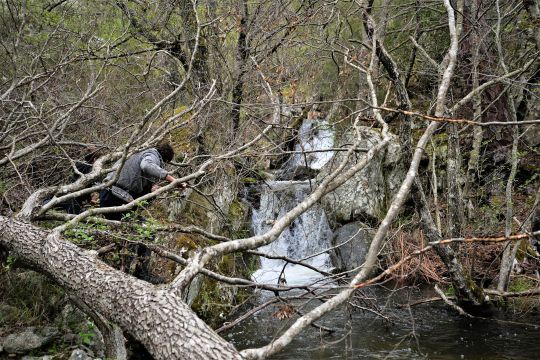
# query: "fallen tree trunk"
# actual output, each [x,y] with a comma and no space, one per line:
[156,316]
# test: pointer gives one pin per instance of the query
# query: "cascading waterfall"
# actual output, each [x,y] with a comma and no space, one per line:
[314,135]
[307,235]
[310,233]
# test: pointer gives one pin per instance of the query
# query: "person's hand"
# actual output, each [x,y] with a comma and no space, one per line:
[182,185]
[155,188]
[94,198]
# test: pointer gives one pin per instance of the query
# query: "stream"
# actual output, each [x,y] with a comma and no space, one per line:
[426,331]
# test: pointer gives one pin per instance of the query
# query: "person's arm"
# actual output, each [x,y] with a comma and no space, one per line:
[150,165]
[170,179]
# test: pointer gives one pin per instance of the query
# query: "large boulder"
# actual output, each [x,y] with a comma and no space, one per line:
[365,195]
[351,243]
[28,339]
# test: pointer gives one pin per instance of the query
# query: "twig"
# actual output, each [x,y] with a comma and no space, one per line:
[247,315]
[451,304]
[530,292]
[317,326]
[445,119]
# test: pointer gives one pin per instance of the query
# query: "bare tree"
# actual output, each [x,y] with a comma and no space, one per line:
[152,71]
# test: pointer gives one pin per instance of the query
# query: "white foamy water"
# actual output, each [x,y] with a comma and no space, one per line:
[307,235]
[314,134]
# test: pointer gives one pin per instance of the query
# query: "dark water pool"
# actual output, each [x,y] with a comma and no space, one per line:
[427,331]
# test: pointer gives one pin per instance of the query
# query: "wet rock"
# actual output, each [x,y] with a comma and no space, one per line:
[238,215]
[28,339]
[352,243]
[79,354]
[363,197]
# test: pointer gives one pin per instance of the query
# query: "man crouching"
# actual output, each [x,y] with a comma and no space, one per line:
[139,176]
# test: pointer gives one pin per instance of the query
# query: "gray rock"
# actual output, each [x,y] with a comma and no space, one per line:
[79,354]
[365,194]
[531,134]
[46,357]
[28,339]
[352,241]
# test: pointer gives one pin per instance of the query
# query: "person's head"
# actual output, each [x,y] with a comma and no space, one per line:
[166,151]
[92,154]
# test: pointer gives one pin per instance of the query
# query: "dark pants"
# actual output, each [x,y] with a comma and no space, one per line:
[73,206]
[141,270]
[107,199]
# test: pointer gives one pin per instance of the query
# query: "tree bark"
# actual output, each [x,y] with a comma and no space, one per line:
[242,55]
[453,174]
[155,316]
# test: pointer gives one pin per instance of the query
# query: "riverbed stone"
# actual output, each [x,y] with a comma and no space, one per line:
[364,196]
[79,354]
[29,339]
[351,243]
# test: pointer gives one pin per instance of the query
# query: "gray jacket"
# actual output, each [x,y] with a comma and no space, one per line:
[140,172]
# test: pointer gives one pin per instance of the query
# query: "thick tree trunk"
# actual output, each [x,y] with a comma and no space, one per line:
[156,316]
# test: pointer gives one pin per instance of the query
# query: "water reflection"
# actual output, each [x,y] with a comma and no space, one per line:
[428,331]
